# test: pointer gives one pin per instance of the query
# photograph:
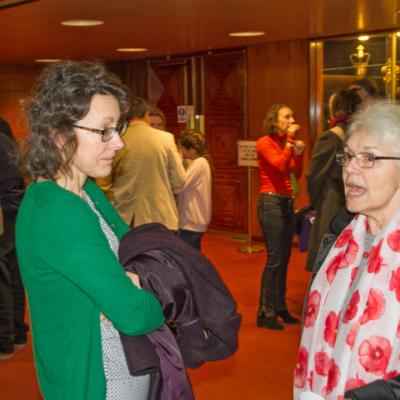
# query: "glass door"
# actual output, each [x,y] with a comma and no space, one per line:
[349,58]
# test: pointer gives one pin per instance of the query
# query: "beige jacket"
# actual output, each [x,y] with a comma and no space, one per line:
[145,174]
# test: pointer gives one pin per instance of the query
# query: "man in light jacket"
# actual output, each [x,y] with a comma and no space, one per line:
[146,172]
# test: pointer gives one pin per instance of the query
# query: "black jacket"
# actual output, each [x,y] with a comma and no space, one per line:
[11,182]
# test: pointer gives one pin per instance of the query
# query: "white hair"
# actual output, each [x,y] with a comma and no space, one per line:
[380,119]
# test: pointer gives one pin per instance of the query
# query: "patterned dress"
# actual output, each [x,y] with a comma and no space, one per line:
[120,384]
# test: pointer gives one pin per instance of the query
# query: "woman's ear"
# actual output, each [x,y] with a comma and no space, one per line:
[59,140]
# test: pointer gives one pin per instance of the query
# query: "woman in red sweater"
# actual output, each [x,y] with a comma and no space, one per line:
[280,159]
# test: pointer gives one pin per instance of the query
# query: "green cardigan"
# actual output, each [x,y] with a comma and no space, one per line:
[71,276]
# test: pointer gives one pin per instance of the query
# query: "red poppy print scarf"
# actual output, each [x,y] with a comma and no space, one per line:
[349,341]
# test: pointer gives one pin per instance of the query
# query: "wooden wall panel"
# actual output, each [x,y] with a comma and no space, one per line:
[278,72]
[224,105]
[168,88]
[134,74]
[16,82]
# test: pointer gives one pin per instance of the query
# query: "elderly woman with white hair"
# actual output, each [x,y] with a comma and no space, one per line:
[350,343]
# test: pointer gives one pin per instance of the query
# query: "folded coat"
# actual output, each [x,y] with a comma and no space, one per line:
[196,302]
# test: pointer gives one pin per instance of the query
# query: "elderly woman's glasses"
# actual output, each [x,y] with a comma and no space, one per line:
[106,133]
[363,160]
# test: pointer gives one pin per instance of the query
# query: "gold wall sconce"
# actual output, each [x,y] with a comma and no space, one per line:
[360,60]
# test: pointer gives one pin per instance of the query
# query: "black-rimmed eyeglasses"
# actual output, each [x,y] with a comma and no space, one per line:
[363,160]
[106,133]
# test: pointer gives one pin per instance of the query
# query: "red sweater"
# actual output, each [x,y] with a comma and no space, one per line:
[276,162]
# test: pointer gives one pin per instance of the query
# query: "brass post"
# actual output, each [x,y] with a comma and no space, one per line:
[394,67]
[249,248]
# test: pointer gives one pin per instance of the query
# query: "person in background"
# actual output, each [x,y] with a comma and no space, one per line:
[324,177]
[350,341]
[280,156]
[157,119]
[67,238]
[6,129]
[146,173]
[13,329]
[194,199]
[365,88]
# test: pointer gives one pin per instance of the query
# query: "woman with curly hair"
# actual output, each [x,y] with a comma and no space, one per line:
[68,236]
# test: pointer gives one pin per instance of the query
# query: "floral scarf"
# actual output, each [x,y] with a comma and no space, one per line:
[349,341]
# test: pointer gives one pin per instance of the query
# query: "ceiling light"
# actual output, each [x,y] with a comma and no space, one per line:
[47,60]
[247,34]
[398,34]
[132,49]
[363,38]
[82,22]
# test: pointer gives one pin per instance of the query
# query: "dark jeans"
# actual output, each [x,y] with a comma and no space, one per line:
[12,297]
[191,237]
[275,215]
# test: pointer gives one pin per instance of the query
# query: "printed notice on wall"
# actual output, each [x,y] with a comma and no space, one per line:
[247,156]
[185,113]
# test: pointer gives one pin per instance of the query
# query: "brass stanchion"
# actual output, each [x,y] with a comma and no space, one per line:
[249,248]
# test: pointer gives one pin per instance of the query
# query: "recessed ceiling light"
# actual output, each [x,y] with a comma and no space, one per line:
[82,22]
[247,34]
[132,49]
[363,38]
[47,60]
[398,34]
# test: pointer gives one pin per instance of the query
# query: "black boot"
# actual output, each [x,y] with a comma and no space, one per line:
[266,317]
[270,322]
[287,318]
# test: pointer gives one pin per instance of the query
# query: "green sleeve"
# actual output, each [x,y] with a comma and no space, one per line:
[76,248]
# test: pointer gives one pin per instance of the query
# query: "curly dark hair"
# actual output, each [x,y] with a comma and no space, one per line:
[61,97]
[192,139]
[271,119]
[345,101]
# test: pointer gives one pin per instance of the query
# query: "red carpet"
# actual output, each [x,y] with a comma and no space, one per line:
[263,366]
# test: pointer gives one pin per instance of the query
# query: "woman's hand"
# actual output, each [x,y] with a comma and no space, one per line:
[298,147]
[134,278]
[292,129]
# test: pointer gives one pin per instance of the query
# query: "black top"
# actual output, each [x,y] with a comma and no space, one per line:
[5,128]
[11,182]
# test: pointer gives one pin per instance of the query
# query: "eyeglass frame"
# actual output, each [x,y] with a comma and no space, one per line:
[349,157]
[121,129]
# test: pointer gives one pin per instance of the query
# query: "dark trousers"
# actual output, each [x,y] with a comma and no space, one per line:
[275,215]
[191,237]
[12,296]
